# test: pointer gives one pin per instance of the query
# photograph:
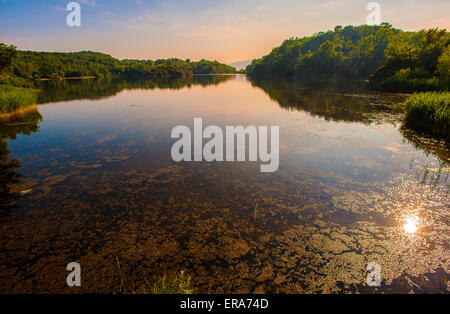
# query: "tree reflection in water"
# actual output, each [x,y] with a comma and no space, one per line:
[54,91]
[351,101]
[24,125]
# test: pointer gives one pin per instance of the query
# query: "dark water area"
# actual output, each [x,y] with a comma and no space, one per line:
[90,179]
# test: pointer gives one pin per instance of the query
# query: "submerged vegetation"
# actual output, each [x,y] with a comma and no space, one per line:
[394,60]
[429,112]
[118,193]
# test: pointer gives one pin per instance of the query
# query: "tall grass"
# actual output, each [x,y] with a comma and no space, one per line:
[429,112]
[15,98]
[175,284]
[402,84]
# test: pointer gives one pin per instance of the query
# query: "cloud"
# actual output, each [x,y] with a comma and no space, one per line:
[149,18]
[91,3]
[142,22]
[226,30]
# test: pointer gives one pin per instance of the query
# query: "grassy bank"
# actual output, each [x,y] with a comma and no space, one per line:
[429,112]
[407,81]
[14,100]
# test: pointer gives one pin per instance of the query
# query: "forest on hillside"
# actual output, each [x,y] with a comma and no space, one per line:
[391,58]
[21,67]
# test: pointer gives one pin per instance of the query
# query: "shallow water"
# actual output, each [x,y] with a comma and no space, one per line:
[90,179]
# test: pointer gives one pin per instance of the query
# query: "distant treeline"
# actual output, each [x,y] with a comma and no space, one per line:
[24,66]
[393,59]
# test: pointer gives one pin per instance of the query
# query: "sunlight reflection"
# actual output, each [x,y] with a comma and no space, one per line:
[410,225]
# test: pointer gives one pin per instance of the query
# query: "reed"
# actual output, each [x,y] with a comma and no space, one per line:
[429,112]
[179,283]
[15,100]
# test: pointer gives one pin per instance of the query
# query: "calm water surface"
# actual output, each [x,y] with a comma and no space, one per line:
[89,178]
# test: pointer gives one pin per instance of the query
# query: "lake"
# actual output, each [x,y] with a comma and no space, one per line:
[89,178]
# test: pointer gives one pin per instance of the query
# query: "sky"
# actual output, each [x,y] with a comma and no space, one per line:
[223,30]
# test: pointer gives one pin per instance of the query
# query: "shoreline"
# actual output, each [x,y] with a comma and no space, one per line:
[8,116]
[67,78]
[95,77]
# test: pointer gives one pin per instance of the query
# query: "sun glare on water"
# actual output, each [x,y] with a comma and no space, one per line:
[410,225]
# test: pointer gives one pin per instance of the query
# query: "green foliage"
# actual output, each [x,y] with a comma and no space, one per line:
[429,112]
[349,51]
[14,98]
[394,59]
[210,67]
[415,62]
[29,65]
[7,55]
[443,66]
[406,80]
[178,284]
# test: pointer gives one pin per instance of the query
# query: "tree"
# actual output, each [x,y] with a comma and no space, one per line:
[7,56]
[443,66]
[391,58]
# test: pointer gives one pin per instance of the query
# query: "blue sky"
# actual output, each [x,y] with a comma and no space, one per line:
[226,30]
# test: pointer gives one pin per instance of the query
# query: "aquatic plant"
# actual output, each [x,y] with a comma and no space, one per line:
[176,284]
[429,112]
